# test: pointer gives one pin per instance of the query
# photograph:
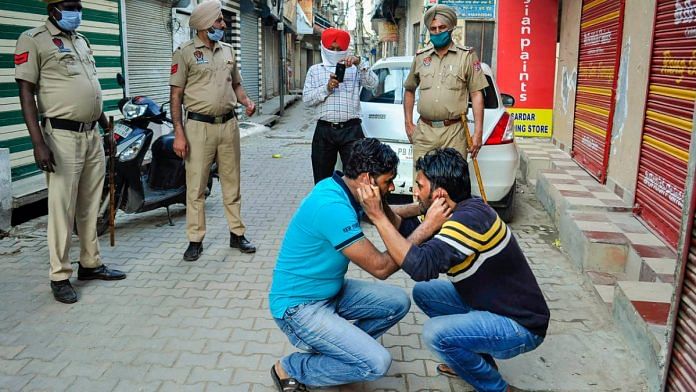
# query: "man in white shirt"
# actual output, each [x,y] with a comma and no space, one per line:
[338,103]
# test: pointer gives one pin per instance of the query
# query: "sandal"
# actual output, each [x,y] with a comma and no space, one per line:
[447,371]
[287,384]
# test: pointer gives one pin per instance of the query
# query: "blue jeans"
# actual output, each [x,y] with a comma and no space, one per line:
[466,339]
[338,351]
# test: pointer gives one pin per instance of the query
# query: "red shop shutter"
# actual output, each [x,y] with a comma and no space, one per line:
[681,375]
[669,111]
[598,64]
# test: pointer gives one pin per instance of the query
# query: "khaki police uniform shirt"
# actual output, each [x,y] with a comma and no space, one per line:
[207,77]
[445,82]
[62,67]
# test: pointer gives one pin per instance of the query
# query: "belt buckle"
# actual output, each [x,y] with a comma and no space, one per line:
[218,120]
[438,124]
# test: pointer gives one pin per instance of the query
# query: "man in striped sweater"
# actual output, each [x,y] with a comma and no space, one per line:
[491,306]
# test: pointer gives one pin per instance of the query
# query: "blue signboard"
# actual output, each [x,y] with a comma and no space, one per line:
[472,9]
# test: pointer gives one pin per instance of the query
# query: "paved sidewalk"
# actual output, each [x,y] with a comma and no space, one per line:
[174,325]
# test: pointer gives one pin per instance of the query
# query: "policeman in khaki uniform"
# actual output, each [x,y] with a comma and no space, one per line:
[55,63]
[205,78]
[446,74]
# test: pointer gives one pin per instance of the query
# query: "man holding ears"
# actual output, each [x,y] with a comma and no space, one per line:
[492,306]
[334,320]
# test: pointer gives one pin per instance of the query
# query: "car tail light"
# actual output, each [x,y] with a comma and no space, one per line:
[504,131]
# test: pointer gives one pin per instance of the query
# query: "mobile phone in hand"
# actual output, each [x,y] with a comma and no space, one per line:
[340,72]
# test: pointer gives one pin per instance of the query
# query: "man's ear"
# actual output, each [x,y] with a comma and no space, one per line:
[364,178]
[441,192]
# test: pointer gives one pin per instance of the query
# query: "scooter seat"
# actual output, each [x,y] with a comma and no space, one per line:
[163,148]
[167,169]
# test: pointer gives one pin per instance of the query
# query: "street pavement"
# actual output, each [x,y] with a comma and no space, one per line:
[205,326]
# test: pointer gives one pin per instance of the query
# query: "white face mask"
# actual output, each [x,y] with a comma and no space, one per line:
[331,58]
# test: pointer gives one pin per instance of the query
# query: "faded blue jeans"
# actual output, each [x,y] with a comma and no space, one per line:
[338,351]
[466,339]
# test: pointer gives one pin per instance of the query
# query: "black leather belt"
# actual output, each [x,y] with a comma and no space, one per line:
[212,119]
[69,125]
[339,125]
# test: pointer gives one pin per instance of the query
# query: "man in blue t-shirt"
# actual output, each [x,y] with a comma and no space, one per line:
[492,306]
[335,320]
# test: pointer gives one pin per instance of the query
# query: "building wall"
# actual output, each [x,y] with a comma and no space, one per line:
[566,79]
[100,25]
[414,14]
[630,102]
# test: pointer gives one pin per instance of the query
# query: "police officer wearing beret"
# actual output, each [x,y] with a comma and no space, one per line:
[56,63]
[447,75]
[205,79]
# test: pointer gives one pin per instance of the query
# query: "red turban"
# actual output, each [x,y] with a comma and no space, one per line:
[341,37]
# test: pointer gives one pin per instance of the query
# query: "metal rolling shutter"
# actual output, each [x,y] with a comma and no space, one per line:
[250,54]
[681,375]
[682,367]
[598,64]
[100,25]
[669,111]
[149,43]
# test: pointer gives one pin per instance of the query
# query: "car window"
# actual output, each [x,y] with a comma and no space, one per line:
[389,89]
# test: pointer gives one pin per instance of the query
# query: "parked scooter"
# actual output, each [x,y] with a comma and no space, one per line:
[141,188]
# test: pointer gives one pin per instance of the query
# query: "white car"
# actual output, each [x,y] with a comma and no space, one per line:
[383,118]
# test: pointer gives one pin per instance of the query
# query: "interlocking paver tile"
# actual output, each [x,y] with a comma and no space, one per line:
[174,325]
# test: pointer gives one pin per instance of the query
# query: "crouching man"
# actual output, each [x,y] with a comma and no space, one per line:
[334,320]
[492,306]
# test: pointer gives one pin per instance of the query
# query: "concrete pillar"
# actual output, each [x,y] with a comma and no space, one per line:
[5,190]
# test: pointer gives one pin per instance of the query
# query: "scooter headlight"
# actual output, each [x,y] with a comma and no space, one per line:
[131,110]
[131,149]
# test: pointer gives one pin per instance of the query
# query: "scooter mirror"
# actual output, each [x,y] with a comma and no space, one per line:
[121,81]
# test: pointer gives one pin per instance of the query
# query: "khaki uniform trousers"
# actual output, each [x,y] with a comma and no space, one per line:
[74,191]
[208,142]
[426,138]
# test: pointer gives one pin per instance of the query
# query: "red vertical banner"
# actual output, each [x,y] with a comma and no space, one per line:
[527,62]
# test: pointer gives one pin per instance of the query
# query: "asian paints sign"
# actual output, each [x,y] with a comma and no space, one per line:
[527,62]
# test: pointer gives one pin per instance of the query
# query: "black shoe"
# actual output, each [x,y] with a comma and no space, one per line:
[63,291]
[194,251]
[102,273]
[239,241]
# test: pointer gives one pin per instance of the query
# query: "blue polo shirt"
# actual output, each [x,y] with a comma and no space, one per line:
[310,265]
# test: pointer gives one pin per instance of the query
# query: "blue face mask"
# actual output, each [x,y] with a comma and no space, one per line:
[216,35]
[441,39]
[69,20]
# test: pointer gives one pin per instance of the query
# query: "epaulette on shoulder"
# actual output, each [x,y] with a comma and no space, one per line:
[84,38]
[226,44]
[462,47]
[426,49]
[185,44]
[35,31]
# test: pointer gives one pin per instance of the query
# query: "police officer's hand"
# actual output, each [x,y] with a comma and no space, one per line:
[477,142]
[43,156]
[333,83]
[250,108]
[180,145]
[410,128]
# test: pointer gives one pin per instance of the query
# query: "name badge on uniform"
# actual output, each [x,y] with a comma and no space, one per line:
[61,46]
[199,57]
[427,61]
